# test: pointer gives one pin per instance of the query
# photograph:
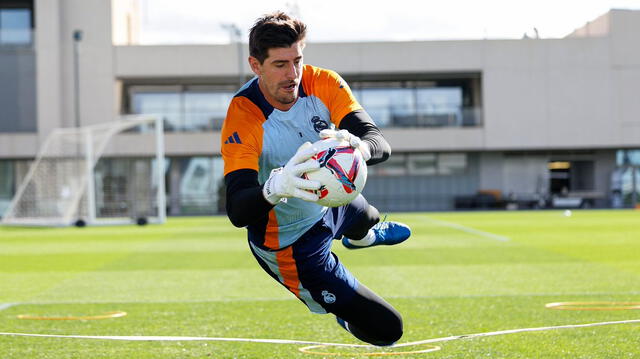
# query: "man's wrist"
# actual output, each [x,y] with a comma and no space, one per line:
[267,192]
[365,149]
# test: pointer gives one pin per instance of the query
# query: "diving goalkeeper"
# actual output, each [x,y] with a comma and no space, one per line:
[266,138]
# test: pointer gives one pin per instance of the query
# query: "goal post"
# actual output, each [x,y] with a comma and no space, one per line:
[111,173]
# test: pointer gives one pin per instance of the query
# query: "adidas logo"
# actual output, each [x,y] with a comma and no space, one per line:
[233,139]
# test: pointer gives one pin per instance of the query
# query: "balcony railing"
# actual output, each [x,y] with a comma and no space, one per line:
[459,117]
[465,117]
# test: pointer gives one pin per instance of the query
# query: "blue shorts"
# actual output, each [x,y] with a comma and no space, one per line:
[308,268]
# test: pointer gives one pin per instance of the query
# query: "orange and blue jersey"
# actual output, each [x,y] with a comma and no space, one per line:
[259,137]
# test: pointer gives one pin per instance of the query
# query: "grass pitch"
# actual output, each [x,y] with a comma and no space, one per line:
[460,273]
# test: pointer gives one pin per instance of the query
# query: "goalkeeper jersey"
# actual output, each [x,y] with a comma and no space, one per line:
[257,136]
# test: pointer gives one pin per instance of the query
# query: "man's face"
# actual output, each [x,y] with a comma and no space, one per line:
[280,74]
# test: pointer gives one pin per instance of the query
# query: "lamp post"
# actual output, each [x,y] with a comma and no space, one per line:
[77,37]
[235,35]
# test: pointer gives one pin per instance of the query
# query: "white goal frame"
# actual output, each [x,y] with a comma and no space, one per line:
[83,183]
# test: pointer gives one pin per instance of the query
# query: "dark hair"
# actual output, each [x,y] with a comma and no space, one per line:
[274,30]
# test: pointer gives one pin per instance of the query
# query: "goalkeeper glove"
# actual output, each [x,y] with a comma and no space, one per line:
[286,182]
[354,141]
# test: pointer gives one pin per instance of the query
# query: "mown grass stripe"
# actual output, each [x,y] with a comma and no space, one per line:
[469,230]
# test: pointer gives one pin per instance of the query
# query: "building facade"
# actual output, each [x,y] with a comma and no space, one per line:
[478,123]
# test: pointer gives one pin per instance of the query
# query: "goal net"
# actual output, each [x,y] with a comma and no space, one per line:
[110,173]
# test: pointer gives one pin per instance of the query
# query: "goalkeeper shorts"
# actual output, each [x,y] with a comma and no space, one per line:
[309,269]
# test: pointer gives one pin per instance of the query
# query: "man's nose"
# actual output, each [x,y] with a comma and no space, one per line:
[292,72]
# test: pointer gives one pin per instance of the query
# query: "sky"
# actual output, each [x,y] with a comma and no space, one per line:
[201,21]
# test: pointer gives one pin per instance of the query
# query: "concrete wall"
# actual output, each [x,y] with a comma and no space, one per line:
[56,21]
[625,48]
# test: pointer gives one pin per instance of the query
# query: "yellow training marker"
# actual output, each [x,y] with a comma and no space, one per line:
[308,350]
[89,317]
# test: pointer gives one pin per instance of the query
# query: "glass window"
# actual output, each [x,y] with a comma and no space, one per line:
[15,26]
[628,157]
[441,102]
[439,106]
[423,164]
[388,106]
[183,110]
[396,165]
[200,185]
[165,104]
[206,110]
[452,163]
[7,185]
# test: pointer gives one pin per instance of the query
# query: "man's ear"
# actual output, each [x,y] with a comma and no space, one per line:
[255,65]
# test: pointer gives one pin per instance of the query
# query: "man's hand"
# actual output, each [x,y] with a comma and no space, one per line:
[286,182]
[354,141]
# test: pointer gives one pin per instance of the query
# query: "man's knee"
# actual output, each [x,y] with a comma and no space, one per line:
[371,319]
[387,334]
[361,225]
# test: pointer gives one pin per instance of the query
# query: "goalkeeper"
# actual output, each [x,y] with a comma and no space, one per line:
[266,138]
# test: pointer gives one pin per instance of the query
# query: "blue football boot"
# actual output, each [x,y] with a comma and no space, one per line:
[386,233]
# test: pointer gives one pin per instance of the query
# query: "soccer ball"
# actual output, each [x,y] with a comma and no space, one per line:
[342,173]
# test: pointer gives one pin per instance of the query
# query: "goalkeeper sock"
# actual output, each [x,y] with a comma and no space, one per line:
[364,241]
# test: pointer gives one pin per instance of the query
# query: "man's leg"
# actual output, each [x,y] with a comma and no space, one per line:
[370,318]
[365,315]
[361,226]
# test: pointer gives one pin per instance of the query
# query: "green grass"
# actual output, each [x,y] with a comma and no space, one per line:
[196,277]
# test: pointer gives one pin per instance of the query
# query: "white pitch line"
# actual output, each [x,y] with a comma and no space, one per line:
[304,342]
[513,331]
[142,338]
[469,230]
[4,306]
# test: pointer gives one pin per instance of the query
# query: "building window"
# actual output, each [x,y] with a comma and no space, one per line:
[184,108]
[16,22]
[396,165]
[452,164]
[439,106]
[443,102]
[7,184]
[625,179]
[422,164]
[628,157]
[388,106]
[195,186]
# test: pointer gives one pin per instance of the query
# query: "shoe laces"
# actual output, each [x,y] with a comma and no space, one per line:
[382,225]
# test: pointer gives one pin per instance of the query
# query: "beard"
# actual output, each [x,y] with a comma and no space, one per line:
[286,97]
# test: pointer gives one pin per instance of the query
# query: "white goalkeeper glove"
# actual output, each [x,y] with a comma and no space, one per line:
[286,182]
[354,141]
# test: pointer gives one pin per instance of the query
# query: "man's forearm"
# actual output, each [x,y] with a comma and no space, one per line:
[359,123]
[245,202]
